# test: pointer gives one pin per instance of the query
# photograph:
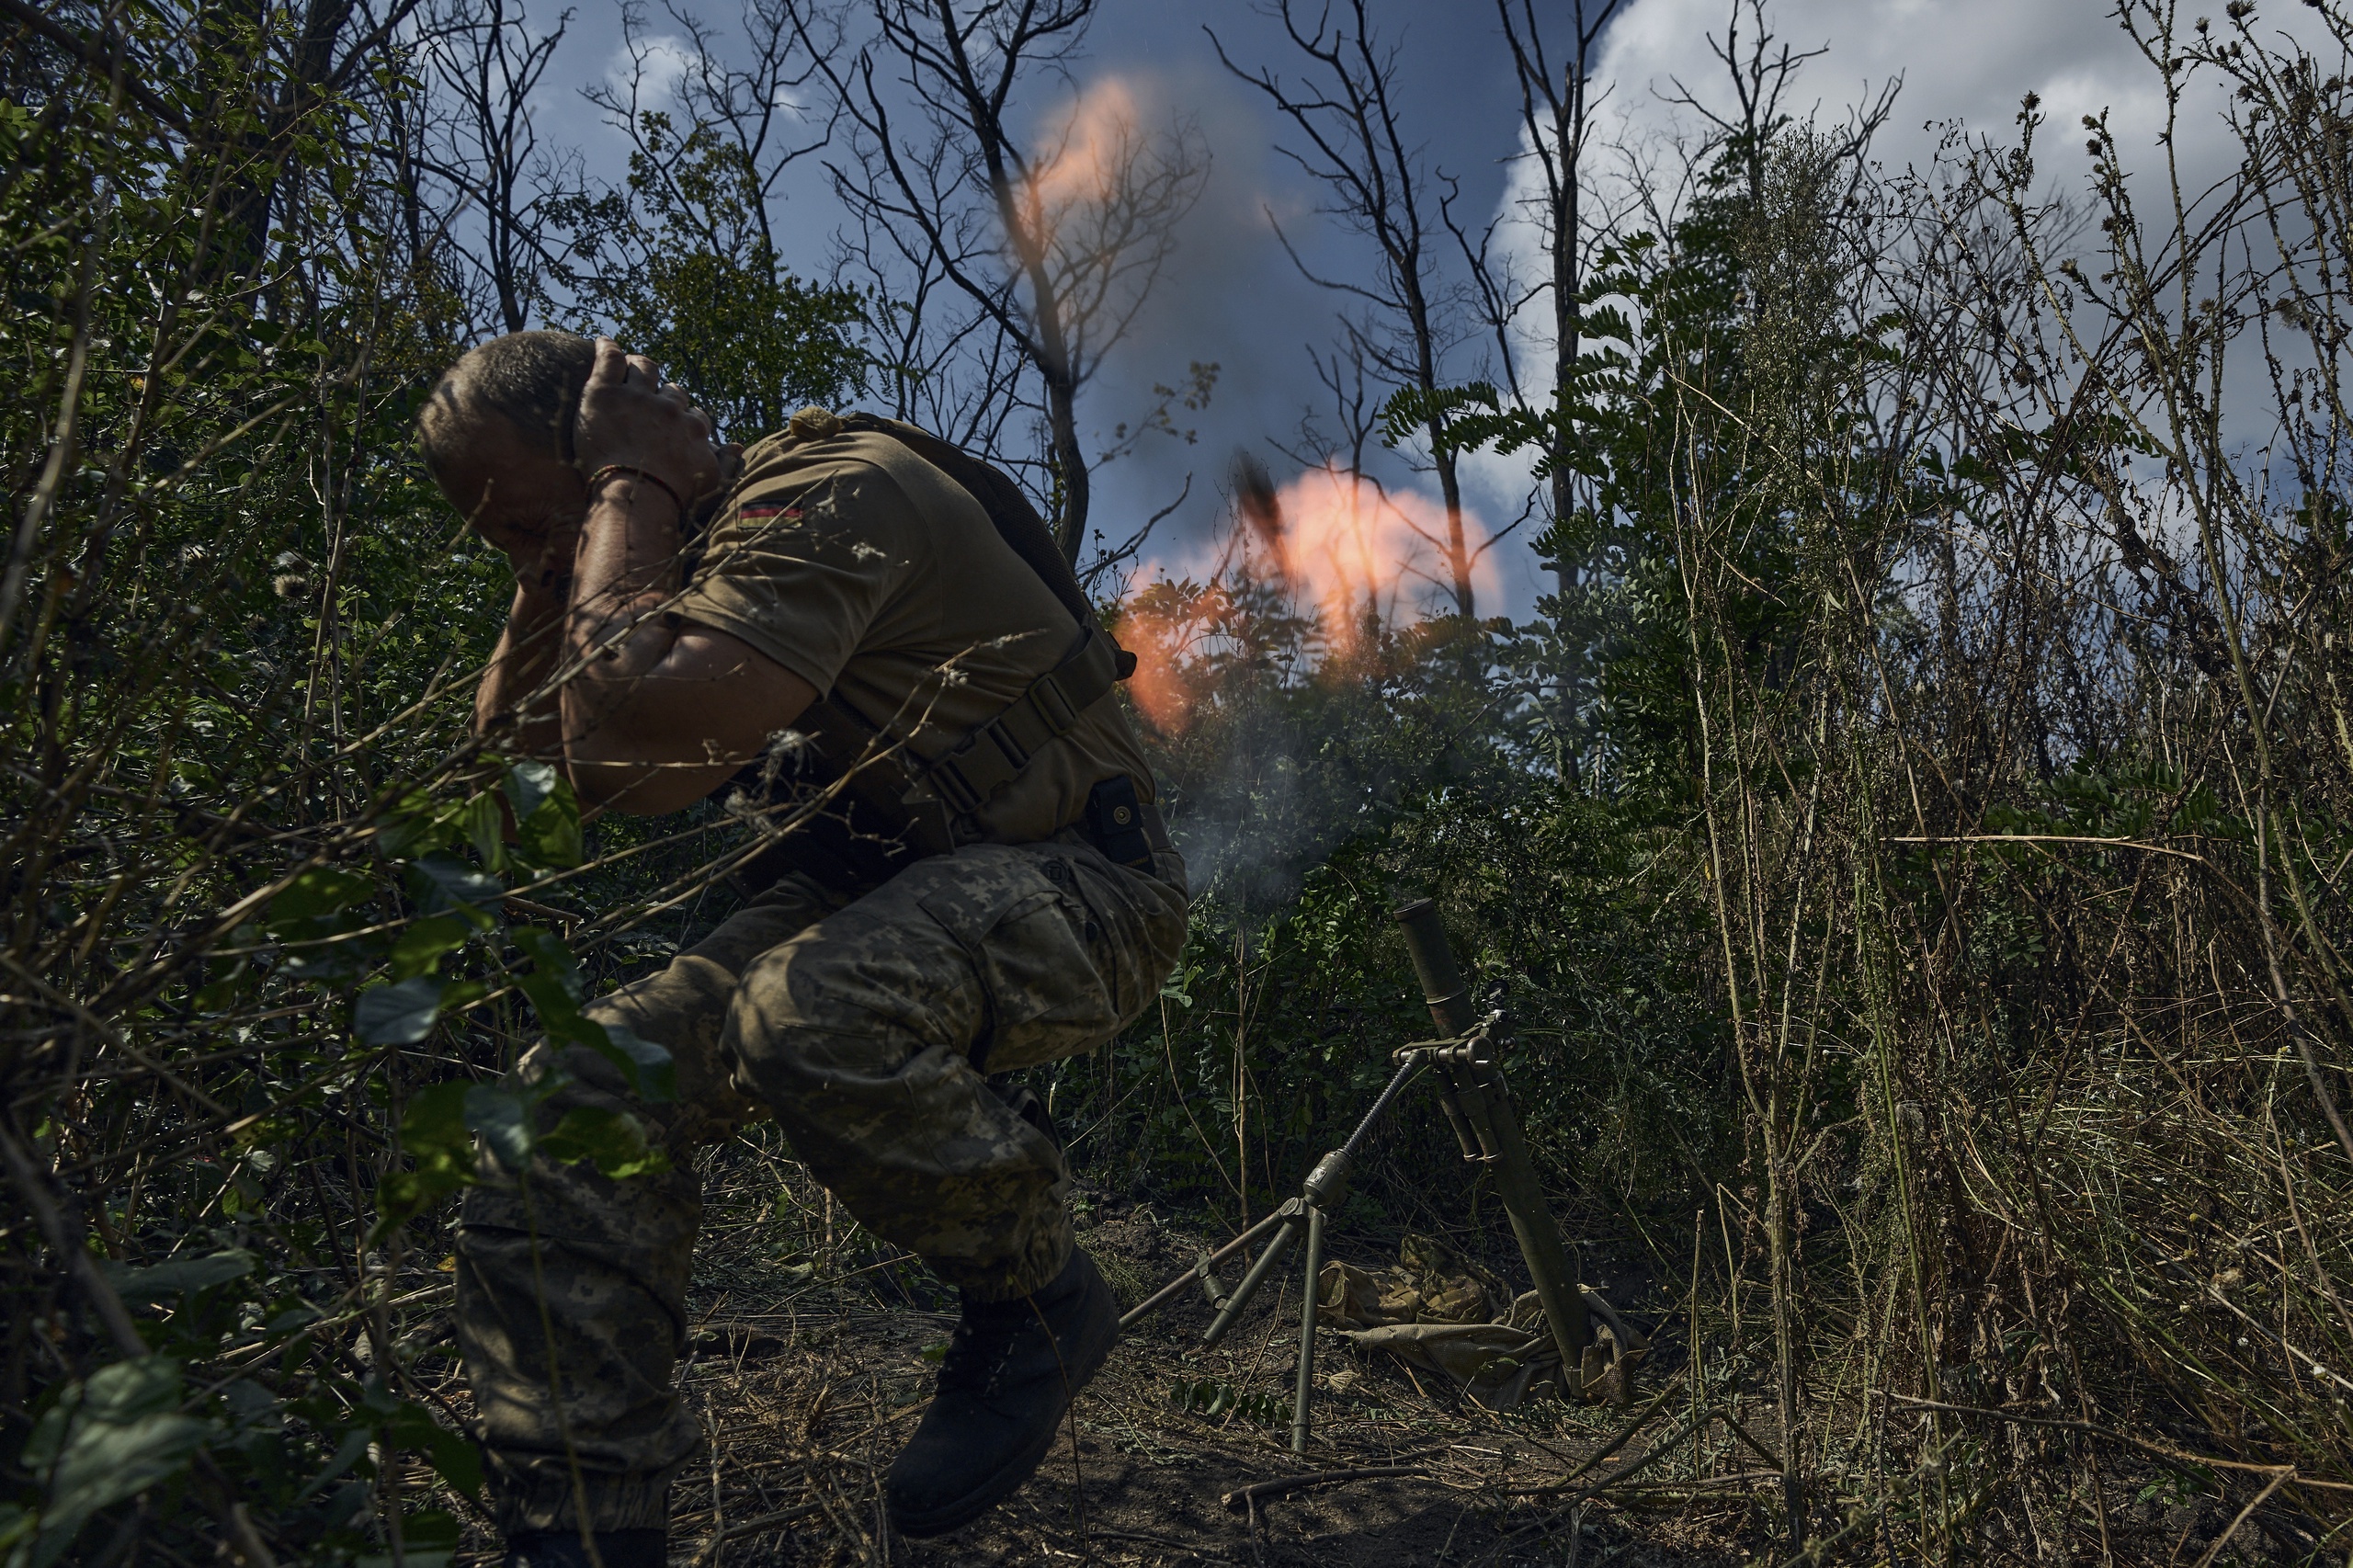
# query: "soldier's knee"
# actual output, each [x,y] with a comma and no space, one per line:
[817,1010]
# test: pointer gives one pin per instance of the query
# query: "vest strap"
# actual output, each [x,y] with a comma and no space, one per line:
[995,755]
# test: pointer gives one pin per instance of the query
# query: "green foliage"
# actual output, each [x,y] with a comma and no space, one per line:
[104,1440]
[1216,1400]
[1317,780]
[258,871]
[680,264]
[1897,840]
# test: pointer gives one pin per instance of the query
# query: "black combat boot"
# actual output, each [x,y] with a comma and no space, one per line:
[1012,1370]
[564,1549]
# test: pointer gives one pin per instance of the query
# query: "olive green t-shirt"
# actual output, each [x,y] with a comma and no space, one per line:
[874,576]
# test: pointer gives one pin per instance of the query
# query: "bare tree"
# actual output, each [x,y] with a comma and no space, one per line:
[489,62]
[748,98]
[951,368]
[1556,106]
[688,257]
[1761,70]
[1354,410]
[1354,147]
[1056,242]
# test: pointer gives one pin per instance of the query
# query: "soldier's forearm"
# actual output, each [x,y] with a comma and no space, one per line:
[657,710]
[626,566]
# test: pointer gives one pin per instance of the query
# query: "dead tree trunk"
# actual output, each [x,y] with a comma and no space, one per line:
[1352,146]
[1057,276]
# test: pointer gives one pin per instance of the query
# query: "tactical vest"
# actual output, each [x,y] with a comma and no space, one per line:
[874,805]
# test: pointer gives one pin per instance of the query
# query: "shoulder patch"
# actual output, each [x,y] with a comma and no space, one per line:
[763,511]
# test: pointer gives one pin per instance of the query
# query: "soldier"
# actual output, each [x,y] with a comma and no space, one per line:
[1008,897]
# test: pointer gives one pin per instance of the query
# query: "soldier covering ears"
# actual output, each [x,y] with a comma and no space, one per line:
[852,613]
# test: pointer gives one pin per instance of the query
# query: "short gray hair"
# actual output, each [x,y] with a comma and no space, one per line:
[531,379]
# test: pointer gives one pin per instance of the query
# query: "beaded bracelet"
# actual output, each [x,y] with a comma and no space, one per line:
[618,471]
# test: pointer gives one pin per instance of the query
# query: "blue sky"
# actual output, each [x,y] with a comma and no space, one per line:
[1232,296]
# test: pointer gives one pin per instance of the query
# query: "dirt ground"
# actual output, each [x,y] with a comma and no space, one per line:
[808,1392]
[809,1373]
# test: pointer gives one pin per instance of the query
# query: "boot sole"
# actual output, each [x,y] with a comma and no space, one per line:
[1010,1477]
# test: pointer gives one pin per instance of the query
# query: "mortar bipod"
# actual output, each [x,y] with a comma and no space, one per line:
[1326,1184]
[1479,1109]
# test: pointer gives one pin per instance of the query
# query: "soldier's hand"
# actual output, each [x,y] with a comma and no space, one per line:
[630,418]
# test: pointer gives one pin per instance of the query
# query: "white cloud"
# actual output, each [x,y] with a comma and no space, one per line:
[1966,66]
[1967,62]
[659,66]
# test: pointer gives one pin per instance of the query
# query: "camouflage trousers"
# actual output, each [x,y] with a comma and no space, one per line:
[865,1028]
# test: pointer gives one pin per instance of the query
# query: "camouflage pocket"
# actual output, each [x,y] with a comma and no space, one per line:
[1025,930]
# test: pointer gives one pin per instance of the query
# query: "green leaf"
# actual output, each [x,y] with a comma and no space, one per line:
[486,829]
[318,891]
[547,815]
[649,1066]
[447,882]
[430,1529]
[423,944]
[615,1142]
[555,989]
[434,1126]
[651,1074]
[221,995]
[552,837]
[455,1459]
[529,786]
[350,1452]
[335,964]
[127,1434]
[400,1012]
[416,827]
[177,1276]
[434,1135]
[119,1392]
[504,1120]
[556,964]
[127,1390]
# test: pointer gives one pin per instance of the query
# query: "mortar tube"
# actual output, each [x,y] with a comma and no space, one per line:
[1489,1109]
[1554,1272]
[1442,984]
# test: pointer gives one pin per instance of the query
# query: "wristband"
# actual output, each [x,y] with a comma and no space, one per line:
[622,471]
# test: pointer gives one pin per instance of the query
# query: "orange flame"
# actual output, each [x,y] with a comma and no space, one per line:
[1353,551]
[1161,686]
[1095,147]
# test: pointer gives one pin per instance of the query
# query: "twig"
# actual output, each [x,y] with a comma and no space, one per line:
[1244,1499]
[751,1526]
[1767,1455]
[1656,1453]
[2224,1539]
[1163,1541]
[1617,1440]
[2158,1450]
